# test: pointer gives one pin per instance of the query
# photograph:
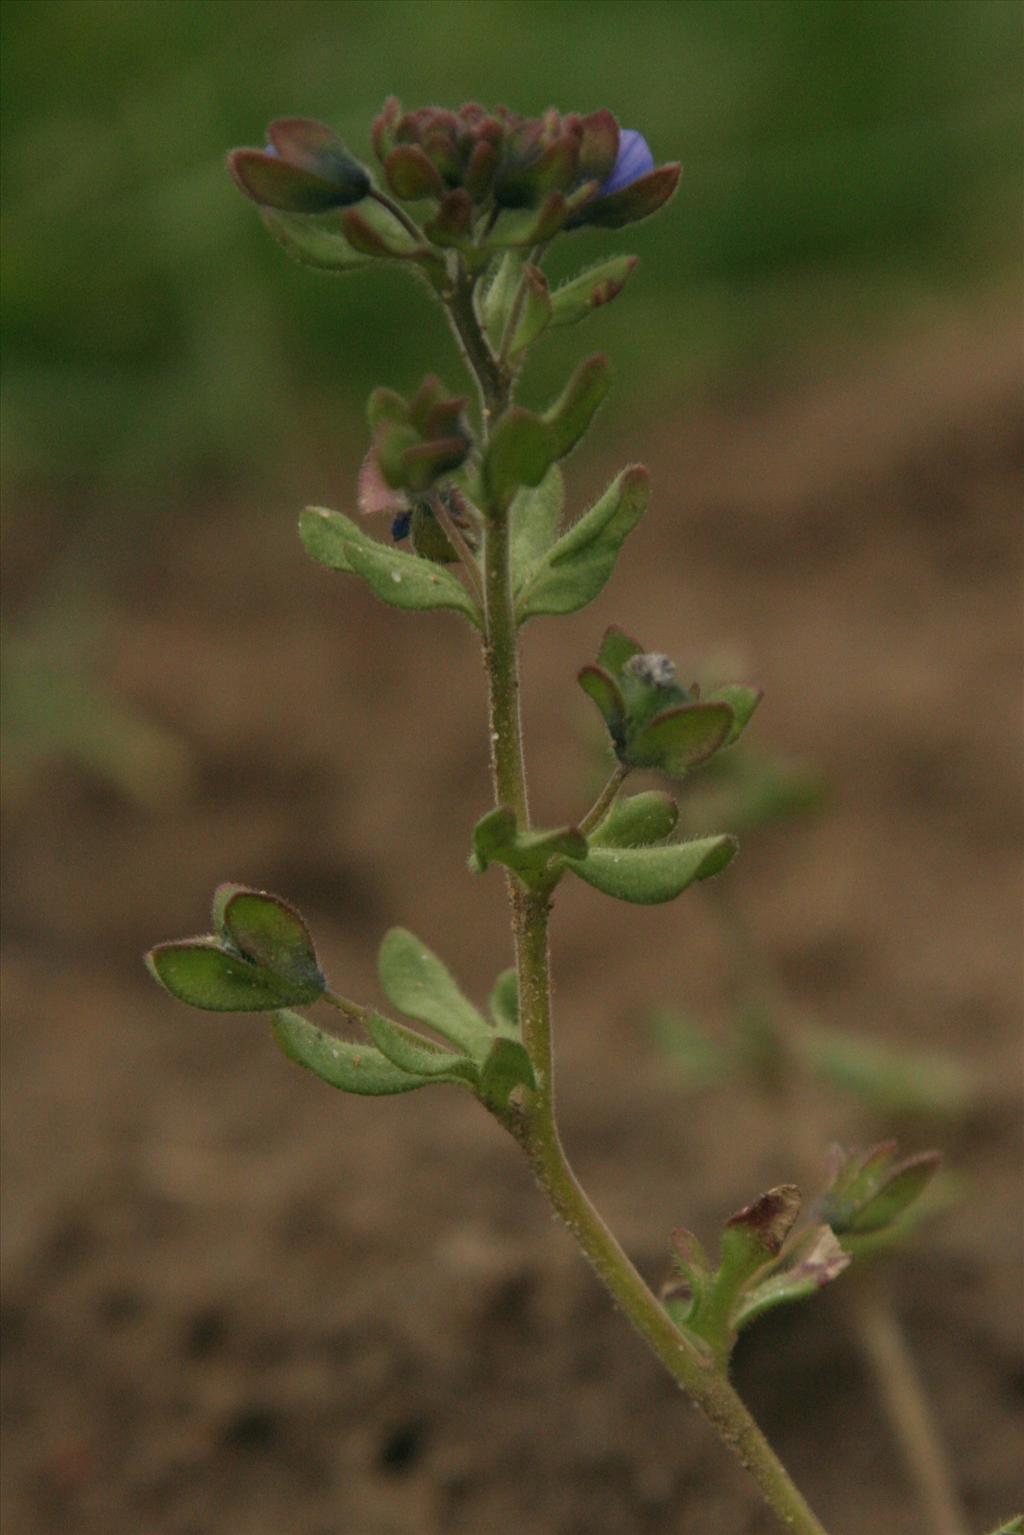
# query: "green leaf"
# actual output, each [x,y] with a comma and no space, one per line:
[901,1188]
[270,933]
[507,1067]
[742,699]
[400,579]
[314,240]
[1014,1526]
[354,1068]
[578,565]
[606,694]
[406,581]
[419,985]
[534,518]
[500,296]
[570,416]
[413,1052]
[814,1262]
[680,738]
[649,875]
[326,537]
[617,647]
[520,452]
[575,299]
[202,973]
[536,312]
[637,821]
[529,226]
[496,839]
[504,1003]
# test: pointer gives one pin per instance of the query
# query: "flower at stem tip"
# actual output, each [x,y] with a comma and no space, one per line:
[633,160]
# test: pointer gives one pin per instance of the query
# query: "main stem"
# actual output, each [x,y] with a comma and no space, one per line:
[692,1367]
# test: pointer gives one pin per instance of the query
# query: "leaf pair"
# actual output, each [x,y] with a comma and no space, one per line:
[524,444]
[655,722]
[259,957]
[486,1056]
[625,857]
[556,573]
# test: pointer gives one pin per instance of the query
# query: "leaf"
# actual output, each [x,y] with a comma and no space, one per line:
[405,581]
[649,875]
[815,1262]
[534,516]
[570,416]
[500,295]
[326,537]
[413,1052]
[680,738]
[419,985]
[400,579]
[742,699]
[268,932]
[902,1186]
[315,241]
[575,299]
[354,1068]
[504,1003]
[520,452]
[496,839]
[617,647]
[536,312]
[637,821]
[605,692]
[507,1067]
[578,565]
[202,973]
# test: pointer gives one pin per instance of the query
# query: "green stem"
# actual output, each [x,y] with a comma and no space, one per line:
[476,351]
[605,800]
[692,1367]
[695,1370]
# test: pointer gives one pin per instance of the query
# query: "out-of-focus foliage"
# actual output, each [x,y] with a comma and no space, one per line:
[837,159]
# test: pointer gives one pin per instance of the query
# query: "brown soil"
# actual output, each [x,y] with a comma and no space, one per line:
[238,1303]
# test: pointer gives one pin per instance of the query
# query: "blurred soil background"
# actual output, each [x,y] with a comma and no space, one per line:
[233,1301]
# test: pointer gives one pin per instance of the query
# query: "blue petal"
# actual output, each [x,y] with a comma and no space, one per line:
[401,525]
[633,161]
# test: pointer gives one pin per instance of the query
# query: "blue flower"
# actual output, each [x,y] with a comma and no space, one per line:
[633,160]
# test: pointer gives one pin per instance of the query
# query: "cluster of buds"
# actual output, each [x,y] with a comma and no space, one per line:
[486,181]
[568,169]
[653,720]
[871,1195]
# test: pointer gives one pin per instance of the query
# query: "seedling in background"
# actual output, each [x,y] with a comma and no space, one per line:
[471,202]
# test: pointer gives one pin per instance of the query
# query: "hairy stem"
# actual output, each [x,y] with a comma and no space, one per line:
[690,1364]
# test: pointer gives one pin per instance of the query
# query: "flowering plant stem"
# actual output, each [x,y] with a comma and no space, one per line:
[689,1361]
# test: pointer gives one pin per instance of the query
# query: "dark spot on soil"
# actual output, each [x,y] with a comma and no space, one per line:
[251,1428]
[118,1307]
[401,1448]
[207,1329]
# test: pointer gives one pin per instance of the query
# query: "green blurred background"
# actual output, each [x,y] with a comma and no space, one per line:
[845,162]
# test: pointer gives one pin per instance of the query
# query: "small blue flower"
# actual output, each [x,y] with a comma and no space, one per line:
[633,160]
[400,526]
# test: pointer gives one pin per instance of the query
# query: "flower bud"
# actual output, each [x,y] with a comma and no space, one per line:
[305,168]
